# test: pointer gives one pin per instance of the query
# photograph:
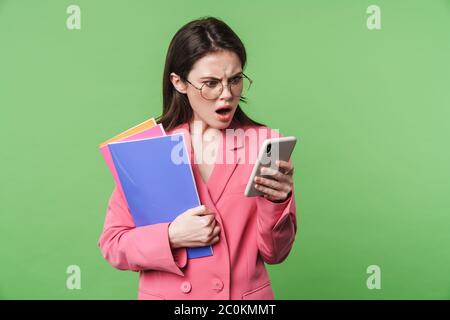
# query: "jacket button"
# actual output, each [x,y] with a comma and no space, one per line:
[217,284]
[185,287]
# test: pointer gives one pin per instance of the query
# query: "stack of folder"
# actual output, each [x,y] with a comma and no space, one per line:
[153,172]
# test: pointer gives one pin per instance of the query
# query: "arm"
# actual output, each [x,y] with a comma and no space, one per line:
[126,247]
[276,217]
[276,228]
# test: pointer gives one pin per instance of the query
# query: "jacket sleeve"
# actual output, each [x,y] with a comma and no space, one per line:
[276,224]
[127,247]
[276,228]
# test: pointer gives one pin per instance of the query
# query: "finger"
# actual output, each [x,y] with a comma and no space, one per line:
[285,165]
[198,211]
[215,240]
[276,175]
[207,210]
[209,220]
[272,192]
[289,172]
[199,244]
[216,230]
[194,244]
[273,184]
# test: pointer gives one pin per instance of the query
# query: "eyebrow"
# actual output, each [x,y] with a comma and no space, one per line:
[234,75]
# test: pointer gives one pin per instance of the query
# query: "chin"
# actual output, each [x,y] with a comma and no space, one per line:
[222,125]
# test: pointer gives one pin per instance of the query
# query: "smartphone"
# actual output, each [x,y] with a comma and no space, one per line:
[271,150]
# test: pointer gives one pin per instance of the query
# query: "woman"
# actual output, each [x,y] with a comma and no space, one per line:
[203,84]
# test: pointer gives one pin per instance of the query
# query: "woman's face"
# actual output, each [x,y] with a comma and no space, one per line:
[222,66]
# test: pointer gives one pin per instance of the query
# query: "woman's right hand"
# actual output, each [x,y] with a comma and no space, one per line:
[196,227]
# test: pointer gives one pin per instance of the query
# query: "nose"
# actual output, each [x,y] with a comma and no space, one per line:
[226,93]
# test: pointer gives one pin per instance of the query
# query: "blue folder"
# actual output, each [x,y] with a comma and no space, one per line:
[157,181]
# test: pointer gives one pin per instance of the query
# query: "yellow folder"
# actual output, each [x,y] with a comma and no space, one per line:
[147,124]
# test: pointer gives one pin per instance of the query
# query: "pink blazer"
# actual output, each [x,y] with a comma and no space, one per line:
[254,231]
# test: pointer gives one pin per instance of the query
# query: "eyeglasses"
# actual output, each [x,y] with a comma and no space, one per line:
[212,89]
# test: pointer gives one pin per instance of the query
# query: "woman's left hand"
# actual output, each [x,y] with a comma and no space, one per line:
[279,189]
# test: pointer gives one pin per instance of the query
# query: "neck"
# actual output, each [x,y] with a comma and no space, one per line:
[198,128]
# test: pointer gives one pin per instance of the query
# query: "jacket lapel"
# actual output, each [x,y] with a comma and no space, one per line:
[227,159]
[226,163]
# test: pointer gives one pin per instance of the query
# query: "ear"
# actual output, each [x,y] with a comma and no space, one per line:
[178,84]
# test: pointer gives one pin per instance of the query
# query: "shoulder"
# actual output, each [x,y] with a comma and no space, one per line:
[181,128]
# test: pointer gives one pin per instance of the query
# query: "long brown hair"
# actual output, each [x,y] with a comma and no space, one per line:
[193,41]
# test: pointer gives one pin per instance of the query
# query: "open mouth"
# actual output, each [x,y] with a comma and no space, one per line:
[223,110]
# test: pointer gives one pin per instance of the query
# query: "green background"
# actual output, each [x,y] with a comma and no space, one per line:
[370,109]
